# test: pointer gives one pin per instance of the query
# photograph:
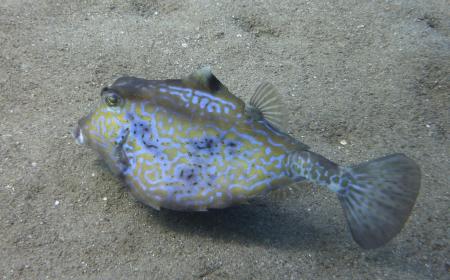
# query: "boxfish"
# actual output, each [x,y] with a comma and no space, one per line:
[191,145]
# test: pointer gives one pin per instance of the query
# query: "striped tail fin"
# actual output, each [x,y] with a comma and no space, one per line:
[377,196]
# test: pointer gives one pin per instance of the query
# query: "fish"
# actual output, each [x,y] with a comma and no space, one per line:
[191,145]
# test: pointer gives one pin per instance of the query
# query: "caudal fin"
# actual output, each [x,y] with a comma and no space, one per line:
[378,197]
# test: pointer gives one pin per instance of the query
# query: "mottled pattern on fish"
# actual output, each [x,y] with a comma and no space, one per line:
[190,144]
[196,158]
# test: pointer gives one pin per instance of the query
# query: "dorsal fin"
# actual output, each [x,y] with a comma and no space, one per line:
[266,103]
[204,80]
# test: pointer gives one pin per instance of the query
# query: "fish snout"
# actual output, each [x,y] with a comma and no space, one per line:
[78,135]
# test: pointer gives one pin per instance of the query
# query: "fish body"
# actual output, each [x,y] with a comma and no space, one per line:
[191,145]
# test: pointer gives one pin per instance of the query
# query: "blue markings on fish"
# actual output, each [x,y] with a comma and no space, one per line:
[191,145]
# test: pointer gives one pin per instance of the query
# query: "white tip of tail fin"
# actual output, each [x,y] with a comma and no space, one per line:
[378,197]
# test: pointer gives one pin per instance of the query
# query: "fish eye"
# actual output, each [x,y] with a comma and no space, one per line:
[112,100]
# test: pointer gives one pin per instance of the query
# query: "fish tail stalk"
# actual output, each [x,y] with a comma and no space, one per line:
[377,196]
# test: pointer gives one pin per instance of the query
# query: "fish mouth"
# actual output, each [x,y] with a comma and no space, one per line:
[79,136]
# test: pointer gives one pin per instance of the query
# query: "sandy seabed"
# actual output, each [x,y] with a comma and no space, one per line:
[372,73]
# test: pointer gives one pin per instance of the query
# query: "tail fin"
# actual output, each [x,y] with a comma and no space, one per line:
[378,197]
